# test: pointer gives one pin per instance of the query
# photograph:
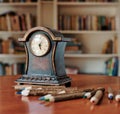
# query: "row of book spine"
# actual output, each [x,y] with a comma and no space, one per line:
[1,1]
[90,0]
[12,69]
[73,46]
[11,21]
[110,46]
[86,22]
[111,67]
[11,46]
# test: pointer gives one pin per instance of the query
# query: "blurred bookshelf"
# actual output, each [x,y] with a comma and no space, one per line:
[16,17]
[96,26]
[93,25]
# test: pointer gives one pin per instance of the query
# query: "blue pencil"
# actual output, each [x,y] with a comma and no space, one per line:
[110,93]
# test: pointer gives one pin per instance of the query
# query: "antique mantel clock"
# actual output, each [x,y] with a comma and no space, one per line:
[44,57]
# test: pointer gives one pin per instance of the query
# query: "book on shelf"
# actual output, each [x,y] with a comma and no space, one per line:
[73,52]
[11,46]
[17,47]
[15,25]
[12,69]
[110,46]
[94,23]
[73,46]
[29,20]
[88,0]
[3,23]
[60,0]
[1,1]
[5,46]
[8,22]
[8,69]
[112,66]
[21,1]
[11,21]
[14,1]
[10,1]
[22,22]
[2,71]
[1,45]
[74,24]
[115,45]
[28,0]
[86,22]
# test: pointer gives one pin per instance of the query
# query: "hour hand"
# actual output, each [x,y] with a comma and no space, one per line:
[40,45]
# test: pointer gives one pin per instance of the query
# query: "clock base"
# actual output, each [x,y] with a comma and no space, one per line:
[45,80]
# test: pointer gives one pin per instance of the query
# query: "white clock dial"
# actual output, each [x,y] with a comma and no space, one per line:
[40,45]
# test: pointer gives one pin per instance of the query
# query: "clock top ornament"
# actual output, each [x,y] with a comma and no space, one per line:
[44,57]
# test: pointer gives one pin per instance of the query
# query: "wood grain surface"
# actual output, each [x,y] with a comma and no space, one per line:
[11,103]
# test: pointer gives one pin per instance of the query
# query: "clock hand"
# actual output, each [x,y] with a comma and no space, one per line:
[40,45]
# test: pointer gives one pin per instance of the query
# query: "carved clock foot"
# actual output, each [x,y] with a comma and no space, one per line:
[68,84]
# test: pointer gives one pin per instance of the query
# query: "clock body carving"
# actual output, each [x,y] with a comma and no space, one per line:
[44,57]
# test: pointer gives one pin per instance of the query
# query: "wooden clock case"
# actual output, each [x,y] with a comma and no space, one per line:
[50,68]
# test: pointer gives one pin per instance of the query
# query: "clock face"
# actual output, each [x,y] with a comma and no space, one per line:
[40,45]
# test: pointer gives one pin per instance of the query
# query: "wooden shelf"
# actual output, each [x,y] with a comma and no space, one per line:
[88,4]
[87,32]
[12,56]
[66,32]
[12,32]
[19,4]
[90,55]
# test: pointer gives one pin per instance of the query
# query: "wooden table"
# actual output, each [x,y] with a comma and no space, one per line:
[11,103]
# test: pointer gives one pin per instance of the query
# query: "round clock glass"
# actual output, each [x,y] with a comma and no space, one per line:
[40,45]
